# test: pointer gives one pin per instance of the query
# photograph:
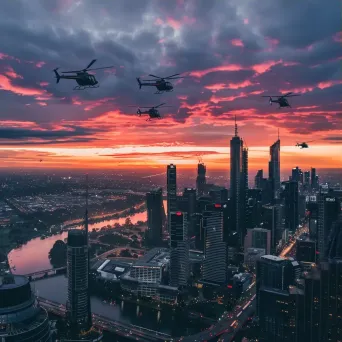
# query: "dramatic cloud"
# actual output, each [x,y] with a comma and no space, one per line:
[231,52]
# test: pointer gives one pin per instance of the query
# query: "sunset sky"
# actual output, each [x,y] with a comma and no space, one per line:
[232,53]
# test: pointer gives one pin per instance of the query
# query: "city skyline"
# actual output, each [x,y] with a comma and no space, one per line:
[231,54]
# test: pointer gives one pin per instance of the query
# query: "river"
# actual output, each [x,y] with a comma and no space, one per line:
[33,257]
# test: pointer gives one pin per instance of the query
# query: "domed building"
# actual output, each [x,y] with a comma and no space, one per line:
[21,318]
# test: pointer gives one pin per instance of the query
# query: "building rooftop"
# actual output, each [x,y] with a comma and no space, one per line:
[154,257]
[114,267]
[12,281]
[272,258]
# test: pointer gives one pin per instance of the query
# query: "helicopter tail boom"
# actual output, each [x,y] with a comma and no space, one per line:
[139,82]
[58,77]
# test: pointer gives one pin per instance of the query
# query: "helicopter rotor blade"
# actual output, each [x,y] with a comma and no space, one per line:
[159,105]
[90,64]
[292,95]
[155,76]
[109,67]
[171,76]
[71,72]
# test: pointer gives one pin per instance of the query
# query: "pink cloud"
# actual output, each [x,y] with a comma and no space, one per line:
[11,73]
[290,63]
[42,104]
[158,22]
[230,67]
[221,86]
[307,107]
[263,67]
[6,84]
[44,84]
[237,42]
[246,21]
[328,84]
[40,64]
[301,90]
[175,24]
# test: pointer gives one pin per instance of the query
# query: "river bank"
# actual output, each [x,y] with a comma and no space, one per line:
[33,256]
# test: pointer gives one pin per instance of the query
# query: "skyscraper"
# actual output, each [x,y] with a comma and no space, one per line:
[258,180]
[274,168]
[236,147]
[155,216]
[201,180]
[171,190]
[329,209]
[215,250]
[78,303]
[314,179]
[291,195]
[179,249]
[243,197]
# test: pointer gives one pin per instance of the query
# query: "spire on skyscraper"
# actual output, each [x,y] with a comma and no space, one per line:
[236,128]
[278,134]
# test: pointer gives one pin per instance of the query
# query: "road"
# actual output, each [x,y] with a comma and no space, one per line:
[130,331]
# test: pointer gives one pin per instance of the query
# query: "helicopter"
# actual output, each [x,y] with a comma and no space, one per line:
[82,77]
[303,144]
[161,83]
[282,101]
[153,112]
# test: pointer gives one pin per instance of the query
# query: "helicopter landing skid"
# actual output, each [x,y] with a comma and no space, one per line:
[83,88]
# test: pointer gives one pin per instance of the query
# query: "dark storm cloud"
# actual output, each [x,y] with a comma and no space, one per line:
[333,138]
[21,133]
[295,24]
[141,37]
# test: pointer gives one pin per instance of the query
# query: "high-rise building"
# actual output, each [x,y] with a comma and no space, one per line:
[78,303]
[306,250]
[312,208]
[215,250]
[236,147]
[335,240]
[258,179]
[274,168]
[279,311]
[243,197]
[21,317]
[307,178]
[274,273]
[314,179]
[297,175]
[272,220]
[155,216]
[219,195]
[201,179]
[291,196]
[329,209]
[189,196]
[323,311]
[171,191]
[260,238]
[179,249]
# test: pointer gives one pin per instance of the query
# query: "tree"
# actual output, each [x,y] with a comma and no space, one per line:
[125,253]
[58,254]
